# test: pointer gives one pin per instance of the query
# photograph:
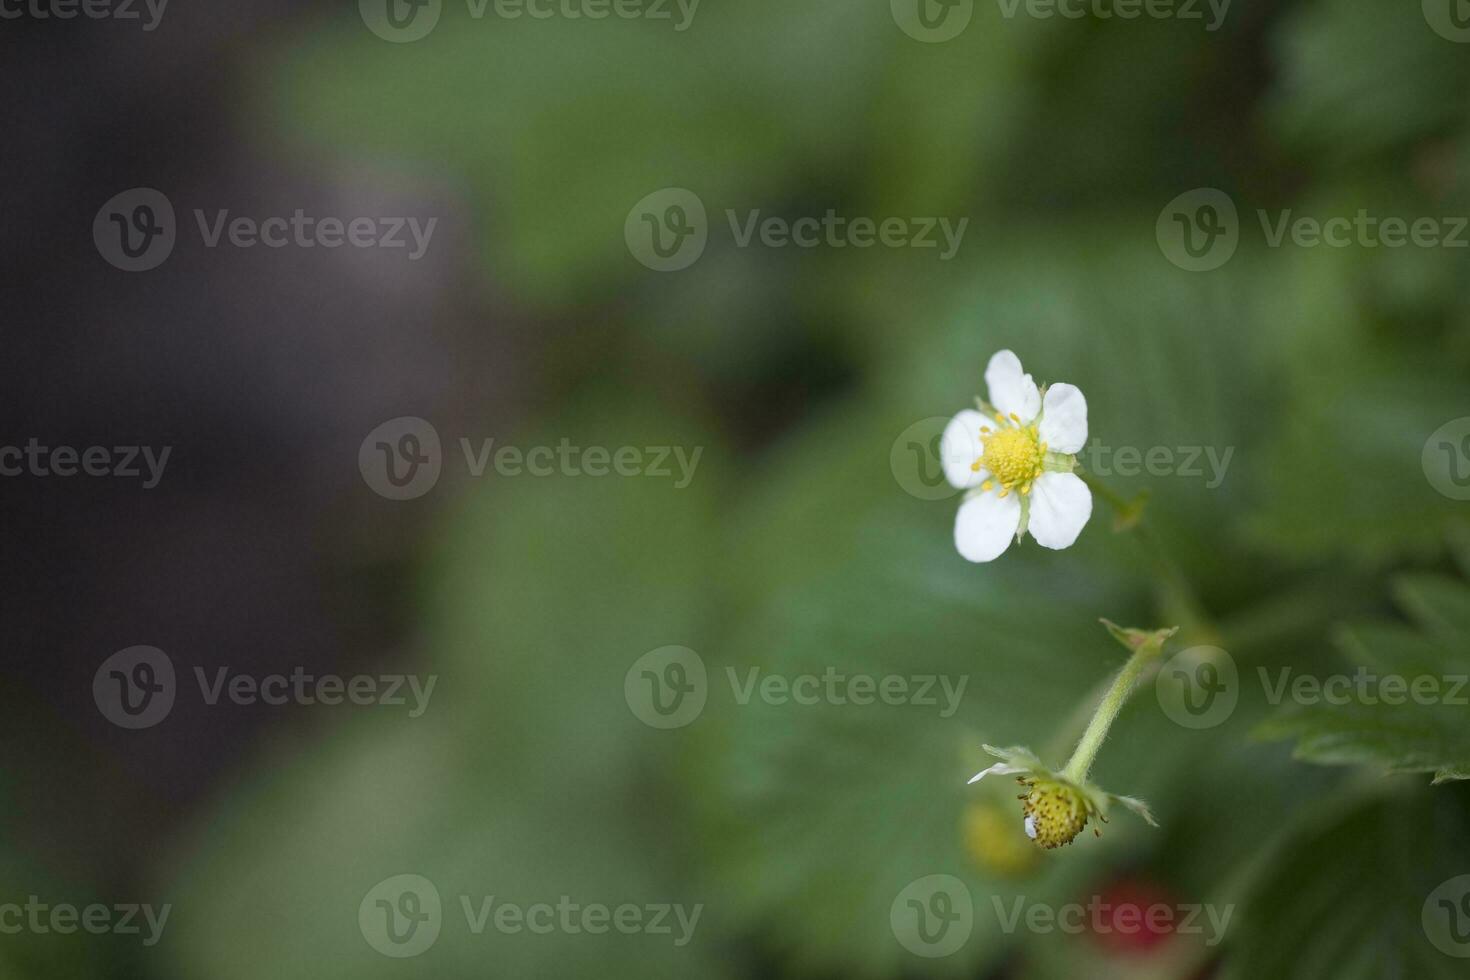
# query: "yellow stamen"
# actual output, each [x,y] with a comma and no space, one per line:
[1013,456]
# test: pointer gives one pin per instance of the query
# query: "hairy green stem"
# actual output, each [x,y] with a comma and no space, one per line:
[1107,711]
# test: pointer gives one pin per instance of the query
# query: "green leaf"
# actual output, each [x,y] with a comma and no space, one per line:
[1426,730]
[1342,897]
[1350,431]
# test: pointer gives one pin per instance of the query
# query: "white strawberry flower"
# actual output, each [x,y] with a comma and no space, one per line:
[1016,462]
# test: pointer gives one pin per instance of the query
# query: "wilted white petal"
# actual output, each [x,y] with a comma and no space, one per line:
[1017,755]
[985,525]
[1060,507]
[1012,390]
[1137,806]
[1016,759]
[1064,419]
[999,769]
[959,447]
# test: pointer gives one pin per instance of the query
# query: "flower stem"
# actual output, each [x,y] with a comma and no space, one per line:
[1107,710]
[1176,594]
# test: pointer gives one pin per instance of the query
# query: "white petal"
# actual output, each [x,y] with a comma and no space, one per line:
[985,525]
[1011,388]
[1064,421]
[959,447]
[1060,507]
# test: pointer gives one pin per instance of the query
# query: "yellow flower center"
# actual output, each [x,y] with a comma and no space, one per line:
[1012,453]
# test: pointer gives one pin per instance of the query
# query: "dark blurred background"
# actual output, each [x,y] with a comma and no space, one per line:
[801,542]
